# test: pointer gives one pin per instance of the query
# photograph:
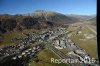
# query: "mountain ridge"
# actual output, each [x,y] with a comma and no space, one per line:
[37,20]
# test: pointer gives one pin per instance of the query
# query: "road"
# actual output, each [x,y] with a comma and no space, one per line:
[57,52]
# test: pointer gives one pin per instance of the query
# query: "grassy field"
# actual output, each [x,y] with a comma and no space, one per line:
[89,45]
[87,30]
[7,39]
[9,35]
[45,59]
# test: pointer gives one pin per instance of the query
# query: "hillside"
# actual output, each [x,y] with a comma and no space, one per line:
[80,17]
[55,17]
[35,20]
[93,21]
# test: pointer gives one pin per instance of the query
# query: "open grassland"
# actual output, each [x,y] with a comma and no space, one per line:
[87,30]
[45,59]
[9,35]
[7,39]
[90,45]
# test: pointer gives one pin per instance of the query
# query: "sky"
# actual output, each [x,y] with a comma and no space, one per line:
[80,7]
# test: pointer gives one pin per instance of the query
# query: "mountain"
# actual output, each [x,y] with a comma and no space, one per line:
[37,20]
[55,17]
[93,21]
[80,17]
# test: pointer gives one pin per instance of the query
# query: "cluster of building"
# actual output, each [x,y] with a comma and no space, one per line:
[24,50]
[28,53]
[40,36]
[10,50]
[80,54]
[24,42]
[83,57]
[18,54]
[60,43]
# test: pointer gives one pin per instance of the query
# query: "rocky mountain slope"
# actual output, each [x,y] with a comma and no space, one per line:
[36,20]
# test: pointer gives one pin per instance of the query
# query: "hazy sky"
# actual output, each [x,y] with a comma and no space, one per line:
[81,7]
